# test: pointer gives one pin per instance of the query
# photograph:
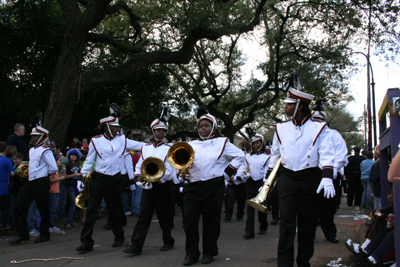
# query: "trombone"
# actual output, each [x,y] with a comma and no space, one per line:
[181,156]
[259,202]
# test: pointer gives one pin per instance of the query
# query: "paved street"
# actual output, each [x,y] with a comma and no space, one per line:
[233,249]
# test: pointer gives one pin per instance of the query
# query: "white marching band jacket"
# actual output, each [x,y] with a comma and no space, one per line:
[213,158]
[258,164]
[303,146]
[41,162]
[128,165]
[109,154]
[340,147]
[160,151]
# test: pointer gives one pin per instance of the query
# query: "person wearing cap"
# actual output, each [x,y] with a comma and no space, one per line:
[353,176]
[216,160]
[328,206]
[107,150]
[156,196]
[301,144]
[41,165]
[257,161]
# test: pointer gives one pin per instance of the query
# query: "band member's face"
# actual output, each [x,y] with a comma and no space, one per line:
[160,134]
[35,138]
[289,109]
[114,130]
[205,127]
[256,145]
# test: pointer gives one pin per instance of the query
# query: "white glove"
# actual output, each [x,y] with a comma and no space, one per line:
[80,186]
[334,173]
[226,176]
[163,180]
[148,186]
[327,185]
[132,187]
[259,189]
[140,184]
[181,189]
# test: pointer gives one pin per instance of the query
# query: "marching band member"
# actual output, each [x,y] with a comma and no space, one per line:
[302,144]
[215,159]
[328,205]
[108,152]
[236,191]
[157,195]
[258,165]
[41,165]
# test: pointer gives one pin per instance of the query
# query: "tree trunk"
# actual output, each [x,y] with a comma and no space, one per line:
[65,87]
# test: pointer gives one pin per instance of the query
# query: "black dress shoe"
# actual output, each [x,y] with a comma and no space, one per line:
[248,235]
[107,227]
[207,259]
[333,240]
[166,247]
[82,248]
[18,240]
[132,252]
[42,239]
[116,244]
[275,221]
[189,261]
[262,232]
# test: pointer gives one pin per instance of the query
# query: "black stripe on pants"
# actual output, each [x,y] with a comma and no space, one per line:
[37,190]
[203,199]
[298,202]
[158,199]
[108,187]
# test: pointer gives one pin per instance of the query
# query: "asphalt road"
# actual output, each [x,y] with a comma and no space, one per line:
[234,250]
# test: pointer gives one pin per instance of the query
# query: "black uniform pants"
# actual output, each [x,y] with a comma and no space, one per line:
[176,201]
[203,199]
[327,210]
[298,202]
[252,191]
[354,190]
[273,203]
[123,185]
[158,199]
[109,188]
[236,193]
[37,190]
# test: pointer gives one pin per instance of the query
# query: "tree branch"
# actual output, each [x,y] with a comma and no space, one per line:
[104,38]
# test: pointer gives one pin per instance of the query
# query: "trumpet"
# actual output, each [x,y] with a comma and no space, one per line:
[23,170]
[82,199]
[152,170]
[181,156]
[259,202]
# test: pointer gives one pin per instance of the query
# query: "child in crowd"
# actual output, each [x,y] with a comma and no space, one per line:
[72,169]
[54,191]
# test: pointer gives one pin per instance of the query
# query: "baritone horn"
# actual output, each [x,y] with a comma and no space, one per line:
[260,201]
[23,170]
[152,170]
[245,146]
[83,198]
[181,156]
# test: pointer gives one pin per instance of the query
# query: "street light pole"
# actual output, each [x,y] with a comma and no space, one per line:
[369,70]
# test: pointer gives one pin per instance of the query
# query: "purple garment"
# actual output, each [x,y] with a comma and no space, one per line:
[6,167]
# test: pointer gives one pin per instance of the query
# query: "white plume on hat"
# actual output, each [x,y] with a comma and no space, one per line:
[162,120]
[36,126]
[203,114]
[112,120]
